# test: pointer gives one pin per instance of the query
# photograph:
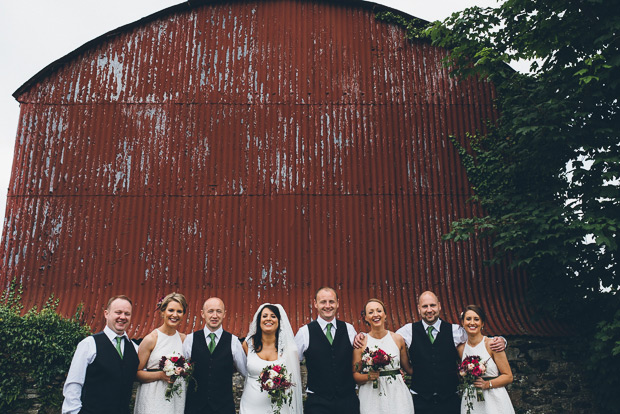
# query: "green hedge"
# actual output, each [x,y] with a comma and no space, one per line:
[36,349]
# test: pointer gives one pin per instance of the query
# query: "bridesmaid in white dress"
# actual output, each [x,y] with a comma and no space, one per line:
[163,341]
[270,341]
[392,395]
[498,373]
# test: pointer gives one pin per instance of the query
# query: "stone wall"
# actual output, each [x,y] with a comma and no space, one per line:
[546,373]
[547,377]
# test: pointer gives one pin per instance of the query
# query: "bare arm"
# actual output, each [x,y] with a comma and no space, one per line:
[144,352]
[361,378]
[505,373]
[360,340]
[404,353]
[498,344]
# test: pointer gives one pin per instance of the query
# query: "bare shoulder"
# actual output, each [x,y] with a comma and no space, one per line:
[487,344]
[397,338]
[149,341]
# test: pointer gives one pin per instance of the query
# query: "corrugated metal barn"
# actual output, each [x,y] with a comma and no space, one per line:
[252,150]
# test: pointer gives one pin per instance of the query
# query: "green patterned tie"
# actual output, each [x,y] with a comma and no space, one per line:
[212,343]
[118,346]
[430,334]
[329,336]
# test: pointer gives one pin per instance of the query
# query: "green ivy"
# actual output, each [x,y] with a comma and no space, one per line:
[36,350]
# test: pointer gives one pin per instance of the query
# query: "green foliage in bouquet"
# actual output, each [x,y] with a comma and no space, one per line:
[36,350]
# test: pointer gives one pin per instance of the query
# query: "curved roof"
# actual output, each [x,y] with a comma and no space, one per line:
[253,151]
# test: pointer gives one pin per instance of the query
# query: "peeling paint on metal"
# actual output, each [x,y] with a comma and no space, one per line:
[252,151]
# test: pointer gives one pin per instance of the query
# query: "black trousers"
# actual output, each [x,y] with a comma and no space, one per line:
[346,404]
[437,405]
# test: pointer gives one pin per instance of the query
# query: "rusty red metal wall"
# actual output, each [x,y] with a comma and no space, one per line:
[253,151]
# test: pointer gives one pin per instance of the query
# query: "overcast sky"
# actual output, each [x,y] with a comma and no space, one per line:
[35,33]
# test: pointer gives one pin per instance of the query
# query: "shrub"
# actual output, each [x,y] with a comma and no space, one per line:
[36,349]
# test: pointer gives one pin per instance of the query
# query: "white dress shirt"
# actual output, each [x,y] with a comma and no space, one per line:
[458,333]
[239,357]
[302,339]
[85,354]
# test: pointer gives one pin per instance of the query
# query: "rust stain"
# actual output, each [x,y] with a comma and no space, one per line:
[253,151]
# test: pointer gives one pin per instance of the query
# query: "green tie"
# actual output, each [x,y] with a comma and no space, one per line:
[212,343]
[118,346]
[430,334]
[329,336]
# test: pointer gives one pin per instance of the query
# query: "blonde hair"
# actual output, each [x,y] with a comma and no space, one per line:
[174,296]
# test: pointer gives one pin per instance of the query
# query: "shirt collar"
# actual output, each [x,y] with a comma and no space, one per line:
[112,335]
[323,323]
[218,332]
[436,325]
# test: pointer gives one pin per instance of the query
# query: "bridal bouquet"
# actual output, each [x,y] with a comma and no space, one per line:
[374,361]
[175,366]
[277,382]
[470,369]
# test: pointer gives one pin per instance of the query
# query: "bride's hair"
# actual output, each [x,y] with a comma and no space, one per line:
[257,338]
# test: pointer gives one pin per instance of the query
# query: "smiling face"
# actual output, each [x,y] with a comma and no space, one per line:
[173,314]
[326,302]
[118,315]
[375,314]
[472,323]
[269,321]
[213,313]
[429,307]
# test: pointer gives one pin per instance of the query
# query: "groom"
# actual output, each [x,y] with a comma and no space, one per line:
[214,353]
[326,343]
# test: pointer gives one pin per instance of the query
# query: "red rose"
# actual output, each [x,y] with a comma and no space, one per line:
[476,372]
[277,368]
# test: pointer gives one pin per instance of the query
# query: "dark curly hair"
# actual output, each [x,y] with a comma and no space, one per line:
[257,338]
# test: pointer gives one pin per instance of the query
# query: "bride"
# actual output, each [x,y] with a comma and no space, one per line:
[270,341]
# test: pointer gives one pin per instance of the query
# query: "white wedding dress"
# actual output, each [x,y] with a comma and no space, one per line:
[255,401]
[150,397]
[496,400]
[392,395]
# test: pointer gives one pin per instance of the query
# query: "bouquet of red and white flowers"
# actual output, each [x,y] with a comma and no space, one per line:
[176,367]
[471,369]
[374,361]
[277,382]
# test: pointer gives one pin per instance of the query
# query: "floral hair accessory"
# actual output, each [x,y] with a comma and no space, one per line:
[158,305]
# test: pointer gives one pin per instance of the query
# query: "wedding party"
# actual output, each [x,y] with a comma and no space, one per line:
[427,366]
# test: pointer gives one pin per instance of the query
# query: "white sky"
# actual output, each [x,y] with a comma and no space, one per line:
[35,33]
